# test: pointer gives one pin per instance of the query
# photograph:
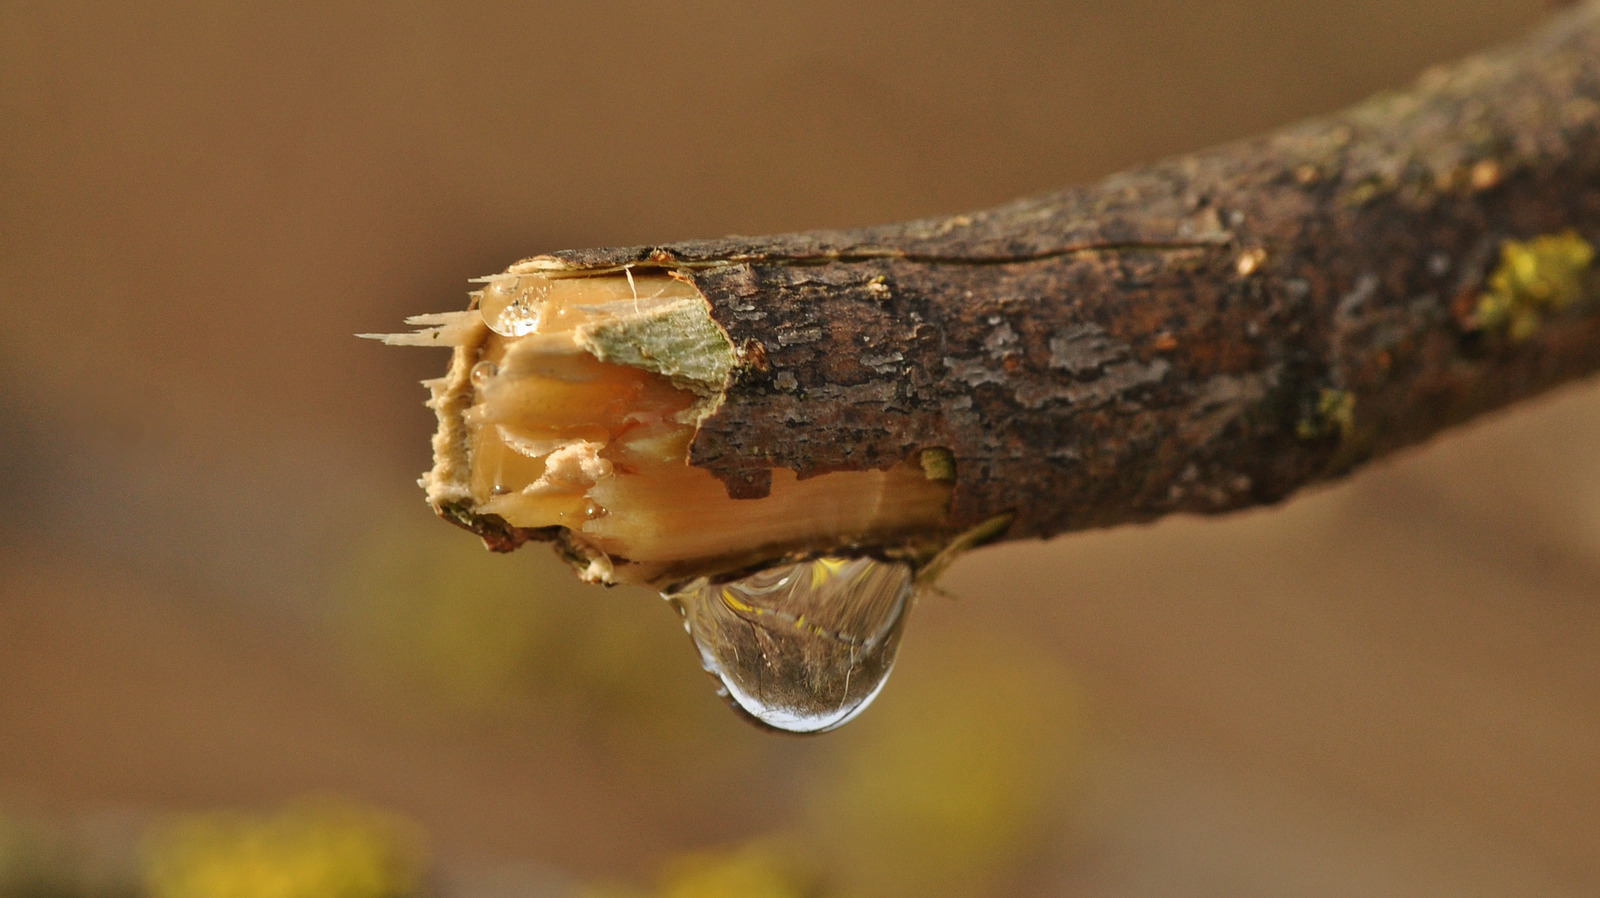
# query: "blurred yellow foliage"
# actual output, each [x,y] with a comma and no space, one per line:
[442,615]
[944,788]
[956,775]
[320,849]
[429,614]
[952,778]
[757,869]
[754,871]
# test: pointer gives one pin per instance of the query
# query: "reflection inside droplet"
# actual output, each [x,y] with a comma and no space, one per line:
[802,647]
[511,309]
[482,373]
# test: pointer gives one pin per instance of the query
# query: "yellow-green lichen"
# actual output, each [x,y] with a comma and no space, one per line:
[938,464]
[679,340]
[1365,192]
[1535,278]
[1334,412]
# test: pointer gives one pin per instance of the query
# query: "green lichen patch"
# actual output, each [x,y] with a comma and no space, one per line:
[938,464]
[679,340]
[1535,278]
[1333,413]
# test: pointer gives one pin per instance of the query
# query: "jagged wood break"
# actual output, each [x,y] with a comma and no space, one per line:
[1204,334]
[568,415]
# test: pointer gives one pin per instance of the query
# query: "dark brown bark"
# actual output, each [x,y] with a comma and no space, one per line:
[1207,333]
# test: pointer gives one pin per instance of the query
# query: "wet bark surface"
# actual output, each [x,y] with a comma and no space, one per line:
[1208,333]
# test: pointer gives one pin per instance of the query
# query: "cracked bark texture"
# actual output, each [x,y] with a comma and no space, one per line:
[1207,333]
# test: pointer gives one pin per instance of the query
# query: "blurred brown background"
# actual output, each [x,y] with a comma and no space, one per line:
[221,592]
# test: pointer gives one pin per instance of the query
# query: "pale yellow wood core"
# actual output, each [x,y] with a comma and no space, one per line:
[573,404]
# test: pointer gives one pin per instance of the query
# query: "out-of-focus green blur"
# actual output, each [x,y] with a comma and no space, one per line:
[238,656]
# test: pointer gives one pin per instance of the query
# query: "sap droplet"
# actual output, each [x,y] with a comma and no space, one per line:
[509,308]
[801,647]
[481,373]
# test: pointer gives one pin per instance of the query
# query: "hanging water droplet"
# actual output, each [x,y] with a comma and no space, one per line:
[481,374]
[510,308]
[802,647]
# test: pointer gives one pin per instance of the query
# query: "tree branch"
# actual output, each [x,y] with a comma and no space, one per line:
[1204,334]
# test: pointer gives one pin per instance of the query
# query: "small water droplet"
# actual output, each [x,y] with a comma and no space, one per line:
[802,647]
[481,374]
[510,308]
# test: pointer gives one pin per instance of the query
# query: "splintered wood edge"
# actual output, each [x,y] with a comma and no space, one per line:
[680,341]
